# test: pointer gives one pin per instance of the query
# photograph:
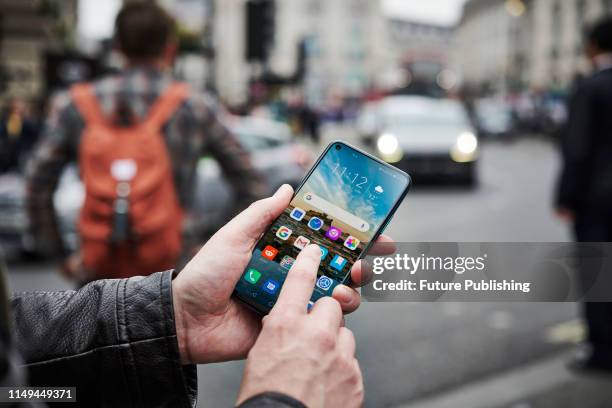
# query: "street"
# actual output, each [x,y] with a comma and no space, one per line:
[411,351]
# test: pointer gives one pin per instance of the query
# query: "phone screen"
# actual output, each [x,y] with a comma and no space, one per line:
[343,204]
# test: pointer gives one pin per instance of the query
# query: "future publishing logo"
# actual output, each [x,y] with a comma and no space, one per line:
[425,271]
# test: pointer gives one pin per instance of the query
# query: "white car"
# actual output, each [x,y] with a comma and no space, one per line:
[427,137]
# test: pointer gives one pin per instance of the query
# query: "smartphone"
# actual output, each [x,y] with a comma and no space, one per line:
[343,204]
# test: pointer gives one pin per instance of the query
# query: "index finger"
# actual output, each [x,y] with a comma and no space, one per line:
[299,284]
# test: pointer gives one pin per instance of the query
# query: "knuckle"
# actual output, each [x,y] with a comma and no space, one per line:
[345,365]
[349,334]
[263,208]
[301,273]
[325,339]
[331,303]
[282,317]
[359,396]
[355,379]
[275,322]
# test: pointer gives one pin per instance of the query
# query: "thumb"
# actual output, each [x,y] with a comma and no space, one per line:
[252,222]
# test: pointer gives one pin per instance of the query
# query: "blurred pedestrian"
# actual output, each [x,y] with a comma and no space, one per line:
[18,134]
[585,188]
[303,119]
[138,137]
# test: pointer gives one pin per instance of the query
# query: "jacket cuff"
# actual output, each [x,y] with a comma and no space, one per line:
[272,400]
[145,321]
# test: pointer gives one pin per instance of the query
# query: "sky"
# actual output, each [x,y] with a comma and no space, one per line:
[444,12]
[96,17]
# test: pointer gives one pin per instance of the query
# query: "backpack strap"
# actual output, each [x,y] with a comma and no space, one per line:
[166,105]
[84,97]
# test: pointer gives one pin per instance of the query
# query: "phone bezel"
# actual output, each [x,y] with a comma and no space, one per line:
[259,308]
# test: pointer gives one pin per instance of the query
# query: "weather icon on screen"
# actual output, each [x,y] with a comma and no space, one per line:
[379,189]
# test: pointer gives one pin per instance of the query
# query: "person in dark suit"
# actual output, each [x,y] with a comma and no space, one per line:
[585,189]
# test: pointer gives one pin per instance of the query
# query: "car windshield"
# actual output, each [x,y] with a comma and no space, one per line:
[424,115]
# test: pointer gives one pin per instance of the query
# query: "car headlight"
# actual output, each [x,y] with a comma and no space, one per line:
[467,143]
[387,144]
[389,149]
[465,148]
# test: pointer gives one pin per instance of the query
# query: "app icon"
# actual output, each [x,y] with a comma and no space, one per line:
[315,223]
[333,233]
[324,252]
[270,286]
[283,233]
[287,262]
[338,262]
[252,276]
[324,283]
[298,214]
[270,252]
[301,242]
[351,243]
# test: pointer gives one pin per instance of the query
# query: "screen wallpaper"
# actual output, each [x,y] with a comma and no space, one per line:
[341,206]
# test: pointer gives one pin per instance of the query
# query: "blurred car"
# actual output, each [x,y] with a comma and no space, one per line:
[427,137]
[274,154]
[13,218]
[494,119]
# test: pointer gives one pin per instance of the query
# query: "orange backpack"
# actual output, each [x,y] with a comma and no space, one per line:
[131,221]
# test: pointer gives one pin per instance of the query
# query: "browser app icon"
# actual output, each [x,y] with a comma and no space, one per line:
[284,233]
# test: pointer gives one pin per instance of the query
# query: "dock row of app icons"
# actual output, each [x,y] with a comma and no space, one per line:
[269,252]
[272,286]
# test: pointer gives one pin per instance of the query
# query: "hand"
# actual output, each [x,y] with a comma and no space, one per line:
[212,326]
[565,215]
[308,356]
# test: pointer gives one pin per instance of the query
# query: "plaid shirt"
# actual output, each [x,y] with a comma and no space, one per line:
[195,129]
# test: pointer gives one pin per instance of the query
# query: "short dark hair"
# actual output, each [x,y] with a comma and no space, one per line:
[142,30]
[600,34]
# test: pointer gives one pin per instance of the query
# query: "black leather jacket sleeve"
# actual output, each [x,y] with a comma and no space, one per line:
[272,400]
[114,340]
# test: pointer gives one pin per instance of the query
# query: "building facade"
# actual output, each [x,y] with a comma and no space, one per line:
[483,45]
[346,49]
[28,28]
[421,51]
[558,31]
[506,45]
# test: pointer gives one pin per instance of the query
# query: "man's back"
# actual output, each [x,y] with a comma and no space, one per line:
[586,182]
[125,99]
